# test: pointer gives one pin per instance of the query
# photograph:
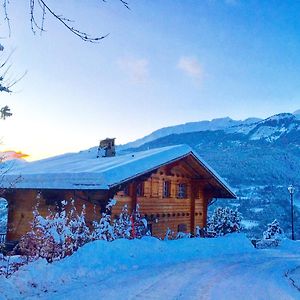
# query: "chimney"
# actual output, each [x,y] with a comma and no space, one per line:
[108,145]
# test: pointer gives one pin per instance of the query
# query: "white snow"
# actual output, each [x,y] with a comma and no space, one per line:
[84,170]
[257,209]
[222,268]
[248,224]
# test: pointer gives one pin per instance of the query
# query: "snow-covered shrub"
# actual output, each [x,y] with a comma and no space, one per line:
[271,237]
[168,235]
[223,221]
[140,226]
[122,225]
[104,230]
[182,235]
[55,236]
[80,232]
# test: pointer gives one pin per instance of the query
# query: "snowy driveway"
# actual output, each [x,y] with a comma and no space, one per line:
[254,276]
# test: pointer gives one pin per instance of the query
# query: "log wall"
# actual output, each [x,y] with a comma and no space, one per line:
[168,212]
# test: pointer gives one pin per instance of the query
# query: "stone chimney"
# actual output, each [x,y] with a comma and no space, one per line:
[108,145]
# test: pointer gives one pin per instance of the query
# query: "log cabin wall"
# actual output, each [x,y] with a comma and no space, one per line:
[172,211]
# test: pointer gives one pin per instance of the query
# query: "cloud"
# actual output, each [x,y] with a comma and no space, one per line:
[11,154]
[191,67]
[136,69]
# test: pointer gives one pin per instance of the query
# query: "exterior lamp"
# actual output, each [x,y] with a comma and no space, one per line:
[291,190]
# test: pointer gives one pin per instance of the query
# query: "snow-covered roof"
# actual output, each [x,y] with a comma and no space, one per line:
[84,170]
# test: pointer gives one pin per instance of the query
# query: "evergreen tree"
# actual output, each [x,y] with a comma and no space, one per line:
[273,231]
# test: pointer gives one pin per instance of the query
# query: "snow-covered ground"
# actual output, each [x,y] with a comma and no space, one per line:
[221,268]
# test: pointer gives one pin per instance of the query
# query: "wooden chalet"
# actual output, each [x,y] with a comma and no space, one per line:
[172,185]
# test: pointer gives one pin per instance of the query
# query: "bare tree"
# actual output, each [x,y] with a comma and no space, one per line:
[41,7]
[6,83]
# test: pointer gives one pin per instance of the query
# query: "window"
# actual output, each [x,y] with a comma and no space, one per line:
[140,189]
[181,191]
[166,189]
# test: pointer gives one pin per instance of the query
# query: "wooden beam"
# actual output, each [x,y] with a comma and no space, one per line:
[133,195]
[194,191]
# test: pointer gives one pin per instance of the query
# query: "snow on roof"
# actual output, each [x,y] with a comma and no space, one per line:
[84,170]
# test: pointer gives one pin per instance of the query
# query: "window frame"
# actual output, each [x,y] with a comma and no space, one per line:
[166,189]
[181,190]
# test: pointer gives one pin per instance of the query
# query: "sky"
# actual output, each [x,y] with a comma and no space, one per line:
[164,63]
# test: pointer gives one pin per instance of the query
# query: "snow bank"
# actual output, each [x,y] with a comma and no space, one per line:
[290,246]
[100,258]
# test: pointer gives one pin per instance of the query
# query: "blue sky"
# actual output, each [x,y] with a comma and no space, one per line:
[164,63]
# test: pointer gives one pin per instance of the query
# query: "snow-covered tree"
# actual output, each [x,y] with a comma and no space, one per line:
[271,237]
[104,230]
[273,231]
[140,225]
[223,221]
[122,225]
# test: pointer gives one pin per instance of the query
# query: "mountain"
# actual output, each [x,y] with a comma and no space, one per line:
[297,113]
[258,158]
[215,124]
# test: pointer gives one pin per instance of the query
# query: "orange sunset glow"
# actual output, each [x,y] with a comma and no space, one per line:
[11,154]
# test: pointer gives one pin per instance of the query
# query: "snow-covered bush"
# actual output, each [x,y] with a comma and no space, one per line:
[123,225]
[55,236]
[223,221]
[182,235]
[271,237]
[140,226]
[169,234]
[127,225]
[104,230]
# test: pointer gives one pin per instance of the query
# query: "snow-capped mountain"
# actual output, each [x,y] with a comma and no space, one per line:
[269,129]
[215,124]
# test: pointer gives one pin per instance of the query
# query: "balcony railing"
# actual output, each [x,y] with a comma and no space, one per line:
[2,238]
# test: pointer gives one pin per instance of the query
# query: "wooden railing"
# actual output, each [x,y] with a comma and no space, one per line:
[2,238]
